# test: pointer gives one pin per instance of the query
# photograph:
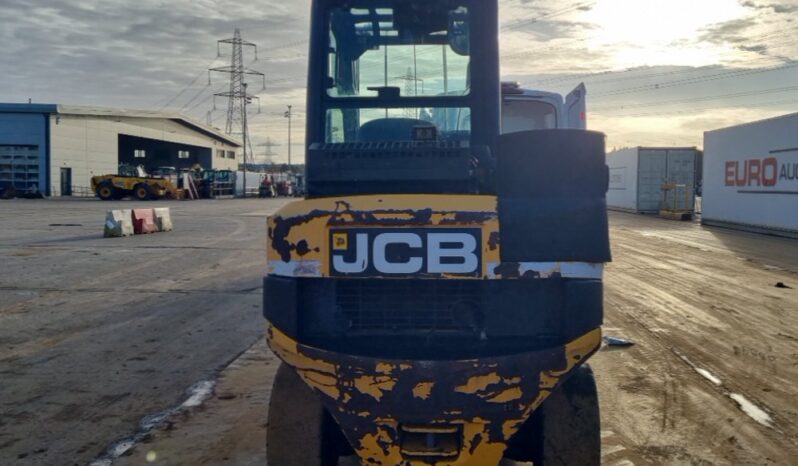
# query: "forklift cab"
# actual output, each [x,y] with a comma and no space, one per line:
[401,73]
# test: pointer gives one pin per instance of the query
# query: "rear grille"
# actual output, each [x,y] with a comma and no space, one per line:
[409,305]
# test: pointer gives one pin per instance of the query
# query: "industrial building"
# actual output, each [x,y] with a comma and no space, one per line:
[56,149]
[751,176]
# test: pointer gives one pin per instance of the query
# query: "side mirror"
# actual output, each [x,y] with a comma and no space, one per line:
[459,33]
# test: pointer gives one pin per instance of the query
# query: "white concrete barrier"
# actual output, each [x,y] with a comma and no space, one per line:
[163,218]
[118,223]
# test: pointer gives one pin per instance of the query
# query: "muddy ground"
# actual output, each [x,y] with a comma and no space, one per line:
[710,326]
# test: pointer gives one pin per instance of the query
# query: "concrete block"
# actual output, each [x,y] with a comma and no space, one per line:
[163,218]
[144,221]
[118,223]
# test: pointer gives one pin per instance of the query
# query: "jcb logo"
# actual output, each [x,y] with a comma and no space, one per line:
[368,252]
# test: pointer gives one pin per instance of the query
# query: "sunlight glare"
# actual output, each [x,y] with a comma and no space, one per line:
[660,32]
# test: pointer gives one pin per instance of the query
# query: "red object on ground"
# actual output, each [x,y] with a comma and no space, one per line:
[144,221]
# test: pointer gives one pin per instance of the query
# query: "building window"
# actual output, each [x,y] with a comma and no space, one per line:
[139,153]
[231,154]
[183,154]
[220,153]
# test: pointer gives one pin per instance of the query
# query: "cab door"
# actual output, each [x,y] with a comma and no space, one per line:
[576,108]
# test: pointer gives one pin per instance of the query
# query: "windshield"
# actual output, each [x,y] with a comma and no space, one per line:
[525,115]
[411,49]
[416,48]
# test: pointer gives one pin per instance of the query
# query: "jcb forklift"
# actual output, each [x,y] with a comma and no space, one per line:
[435,296]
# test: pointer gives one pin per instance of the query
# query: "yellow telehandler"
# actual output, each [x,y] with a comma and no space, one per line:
[133,181]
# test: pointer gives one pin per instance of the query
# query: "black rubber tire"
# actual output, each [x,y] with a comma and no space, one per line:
[566,429]
[570,427]
[142,192]
[298,431]
[106,191]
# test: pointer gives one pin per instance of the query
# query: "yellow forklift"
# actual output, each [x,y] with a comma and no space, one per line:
[435,296]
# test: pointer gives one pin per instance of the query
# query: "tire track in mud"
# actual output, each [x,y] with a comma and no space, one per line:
[663,296]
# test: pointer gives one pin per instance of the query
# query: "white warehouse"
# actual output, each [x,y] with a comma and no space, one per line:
[56,149]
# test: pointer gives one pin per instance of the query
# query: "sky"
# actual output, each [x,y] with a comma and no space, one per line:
[658,72]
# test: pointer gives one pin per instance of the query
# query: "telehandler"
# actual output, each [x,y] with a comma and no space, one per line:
[435,296]
[135,182]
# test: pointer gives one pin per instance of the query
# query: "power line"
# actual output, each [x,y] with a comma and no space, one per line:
[186,87]
[701,79]
[696,99]
[522,23]
[695,110]
[286,45]
[196,96]
[206,99]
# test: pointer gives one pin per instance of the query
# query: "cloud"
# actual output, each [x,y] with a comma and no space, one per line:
[734,31]
[145,53]
[775,7]
[761,49]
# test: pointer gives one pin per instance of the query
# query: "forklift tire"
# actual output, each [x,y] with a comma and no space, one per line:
[142,192]
[571,425]
[566,429]
[299,430]
[106,191]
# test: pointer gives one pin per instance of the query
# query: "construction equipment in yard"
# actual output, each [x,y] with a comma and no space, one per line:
[135,182]
[435,296]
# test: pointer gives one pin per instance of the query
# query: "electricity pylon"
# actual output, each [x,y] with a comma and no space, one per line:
[237,96]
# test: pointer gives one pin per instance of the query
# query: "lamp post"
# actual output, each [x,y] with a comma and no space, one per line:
[244,134]
[288,115]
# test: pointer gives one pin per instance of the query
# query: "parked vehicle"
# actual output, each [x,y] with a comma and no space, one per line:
[135,182]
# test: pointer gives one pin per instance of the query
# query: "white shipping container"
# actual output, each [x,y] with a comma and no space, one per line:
[638,173]
[751,176]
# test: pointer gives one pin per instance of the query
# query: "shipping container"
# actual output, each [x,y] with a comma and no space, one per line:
[637,176]
[751,176]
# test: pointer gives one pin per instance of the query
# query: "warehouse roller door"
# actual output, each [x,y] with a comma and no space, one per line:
[20,167]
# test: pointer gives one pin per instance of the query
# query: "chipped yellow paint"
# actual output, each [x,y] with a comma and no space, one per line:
[374,386]
[380,446]
[379,449]
[547,381]
[314,230]
[385,368]
[511,426]
[321,375]
[507,395]
[578,350]
[478,383]
[423,390]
